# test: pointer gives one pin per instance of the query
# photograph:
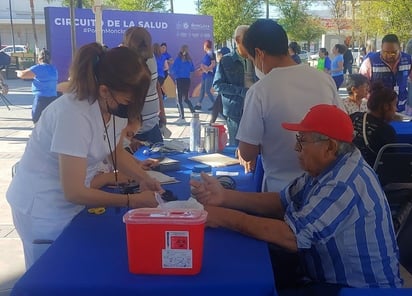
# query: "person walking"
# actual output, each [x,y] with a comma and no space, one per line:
[234,76]
[207,67]
[44,85]
[347,61]
[337,64]
[181,71]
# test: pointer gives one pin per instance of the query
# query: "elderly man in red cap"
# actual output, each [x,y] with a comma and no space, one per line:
[334,218]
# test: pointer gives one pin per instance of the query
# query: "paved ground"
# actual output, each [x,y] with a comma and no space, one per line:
[15,129]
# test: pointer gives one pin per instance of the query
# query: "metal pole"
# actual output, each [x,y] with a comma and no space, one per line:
[72,27]
[97,8]
[12,27]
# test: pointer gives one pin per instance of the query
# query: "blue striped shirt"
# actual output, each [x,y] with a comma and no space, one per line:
[343,225]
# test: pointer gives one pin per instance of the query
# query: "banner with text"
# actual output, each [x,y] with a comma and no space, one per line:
[174,29]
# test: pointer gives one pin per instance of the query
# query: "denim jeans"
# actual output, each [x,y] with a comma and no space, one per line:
[205,88]
[232,128]
[39,104]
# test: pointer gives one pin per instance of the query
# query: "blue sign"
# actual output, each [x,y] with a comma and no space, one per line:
[174,29]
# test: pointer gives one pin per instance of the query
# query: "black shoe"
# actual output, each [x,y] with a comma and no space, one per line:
[198,107]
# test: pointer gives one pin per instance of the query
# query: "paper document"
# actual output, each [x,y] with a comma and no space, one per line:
[162,178]
[215,160]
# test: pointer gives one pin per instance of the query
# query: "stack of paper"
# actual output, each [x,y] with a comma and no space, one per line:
[162,178]
[215,160]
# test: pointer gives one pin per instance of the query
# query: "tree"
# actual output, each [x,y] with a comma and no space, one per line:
[228,14]
[338,10]
[378,18]
[293,14]
[312,31]
[33,23]
[142,5]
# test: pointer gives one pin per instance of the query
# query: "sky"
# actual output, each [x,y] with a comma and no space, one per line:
[185,6]
[190,7]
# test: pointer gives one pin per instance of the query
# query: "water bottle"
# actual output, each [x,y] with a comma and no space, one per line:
[194,133]
[197,170]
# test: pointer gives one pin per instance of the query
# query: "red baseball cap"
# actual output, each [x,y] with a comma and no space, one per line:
[327,120]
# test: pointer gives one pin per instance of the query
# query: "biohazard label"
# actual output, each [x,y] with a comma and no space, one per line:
[177,252]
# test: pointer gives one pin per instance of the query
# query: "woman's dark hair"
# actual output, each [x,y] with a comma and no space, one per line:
[156,50]
[355,80]
[44,56]
[185,49]
[379,96]
[341,48]
[140,40]
[267,35]
[295,47]
[120,69]
[390,38]
[324,51]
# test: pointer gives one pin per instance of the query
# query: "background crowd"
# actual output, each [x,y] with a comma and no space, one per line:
[320,198]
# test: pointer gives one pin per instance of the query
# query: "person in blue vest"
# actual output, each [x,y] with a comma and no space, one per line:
[391,66]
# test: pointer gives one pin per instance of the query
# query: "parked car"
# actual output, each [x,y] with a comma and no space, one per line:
[304,56]
[314,55]
[17,48]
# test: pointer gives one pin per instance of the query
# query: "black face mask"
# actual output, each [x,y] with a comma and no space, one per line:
[121,110]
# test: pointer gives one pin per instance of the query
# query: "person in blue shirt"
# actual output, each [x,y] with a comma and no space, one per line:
[181,71]
[333,220]
[294,51]
[337,64]
[44,85]
[207,68]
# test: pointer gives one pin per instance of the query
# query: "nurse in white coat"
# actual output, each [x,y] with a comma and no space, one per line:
[51,185]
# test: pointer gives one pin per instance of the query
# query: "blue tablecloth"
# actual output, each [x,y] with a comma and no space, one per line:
[403,131]
[90,258]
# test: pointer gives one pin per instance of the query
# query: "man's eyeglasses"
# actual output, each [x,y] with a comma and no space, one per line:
[300,141]
[390,53]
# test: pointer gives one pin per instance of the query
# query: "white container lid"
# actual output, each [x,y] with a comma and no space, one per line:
[165,216]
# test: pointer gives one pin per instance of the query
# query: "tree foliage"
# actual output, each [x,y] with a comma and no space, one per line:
[228,14]
[380,17]
[338,11]
[142,5]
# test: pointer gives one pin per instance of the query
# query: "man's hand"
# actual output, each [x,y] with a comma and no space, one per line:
[248,165]
[208,192]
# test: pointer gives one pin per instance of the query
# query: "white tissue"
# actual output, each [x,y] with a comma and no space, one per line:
[191,203]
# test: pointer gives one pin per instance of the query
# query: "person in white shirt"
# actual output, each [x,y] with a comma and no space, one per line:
[285,92]
[52,182]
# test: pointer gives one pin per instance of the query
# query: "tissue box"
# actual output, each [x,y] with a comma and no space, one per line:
[165,241]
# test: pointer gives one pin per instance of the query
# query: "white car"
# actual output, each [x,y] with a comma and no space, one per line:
[17,48]
[314,55]
[304,56]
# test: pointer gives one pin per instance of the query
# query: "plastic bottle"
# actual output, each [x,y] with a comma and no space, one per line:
[194,133]
[197,170]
